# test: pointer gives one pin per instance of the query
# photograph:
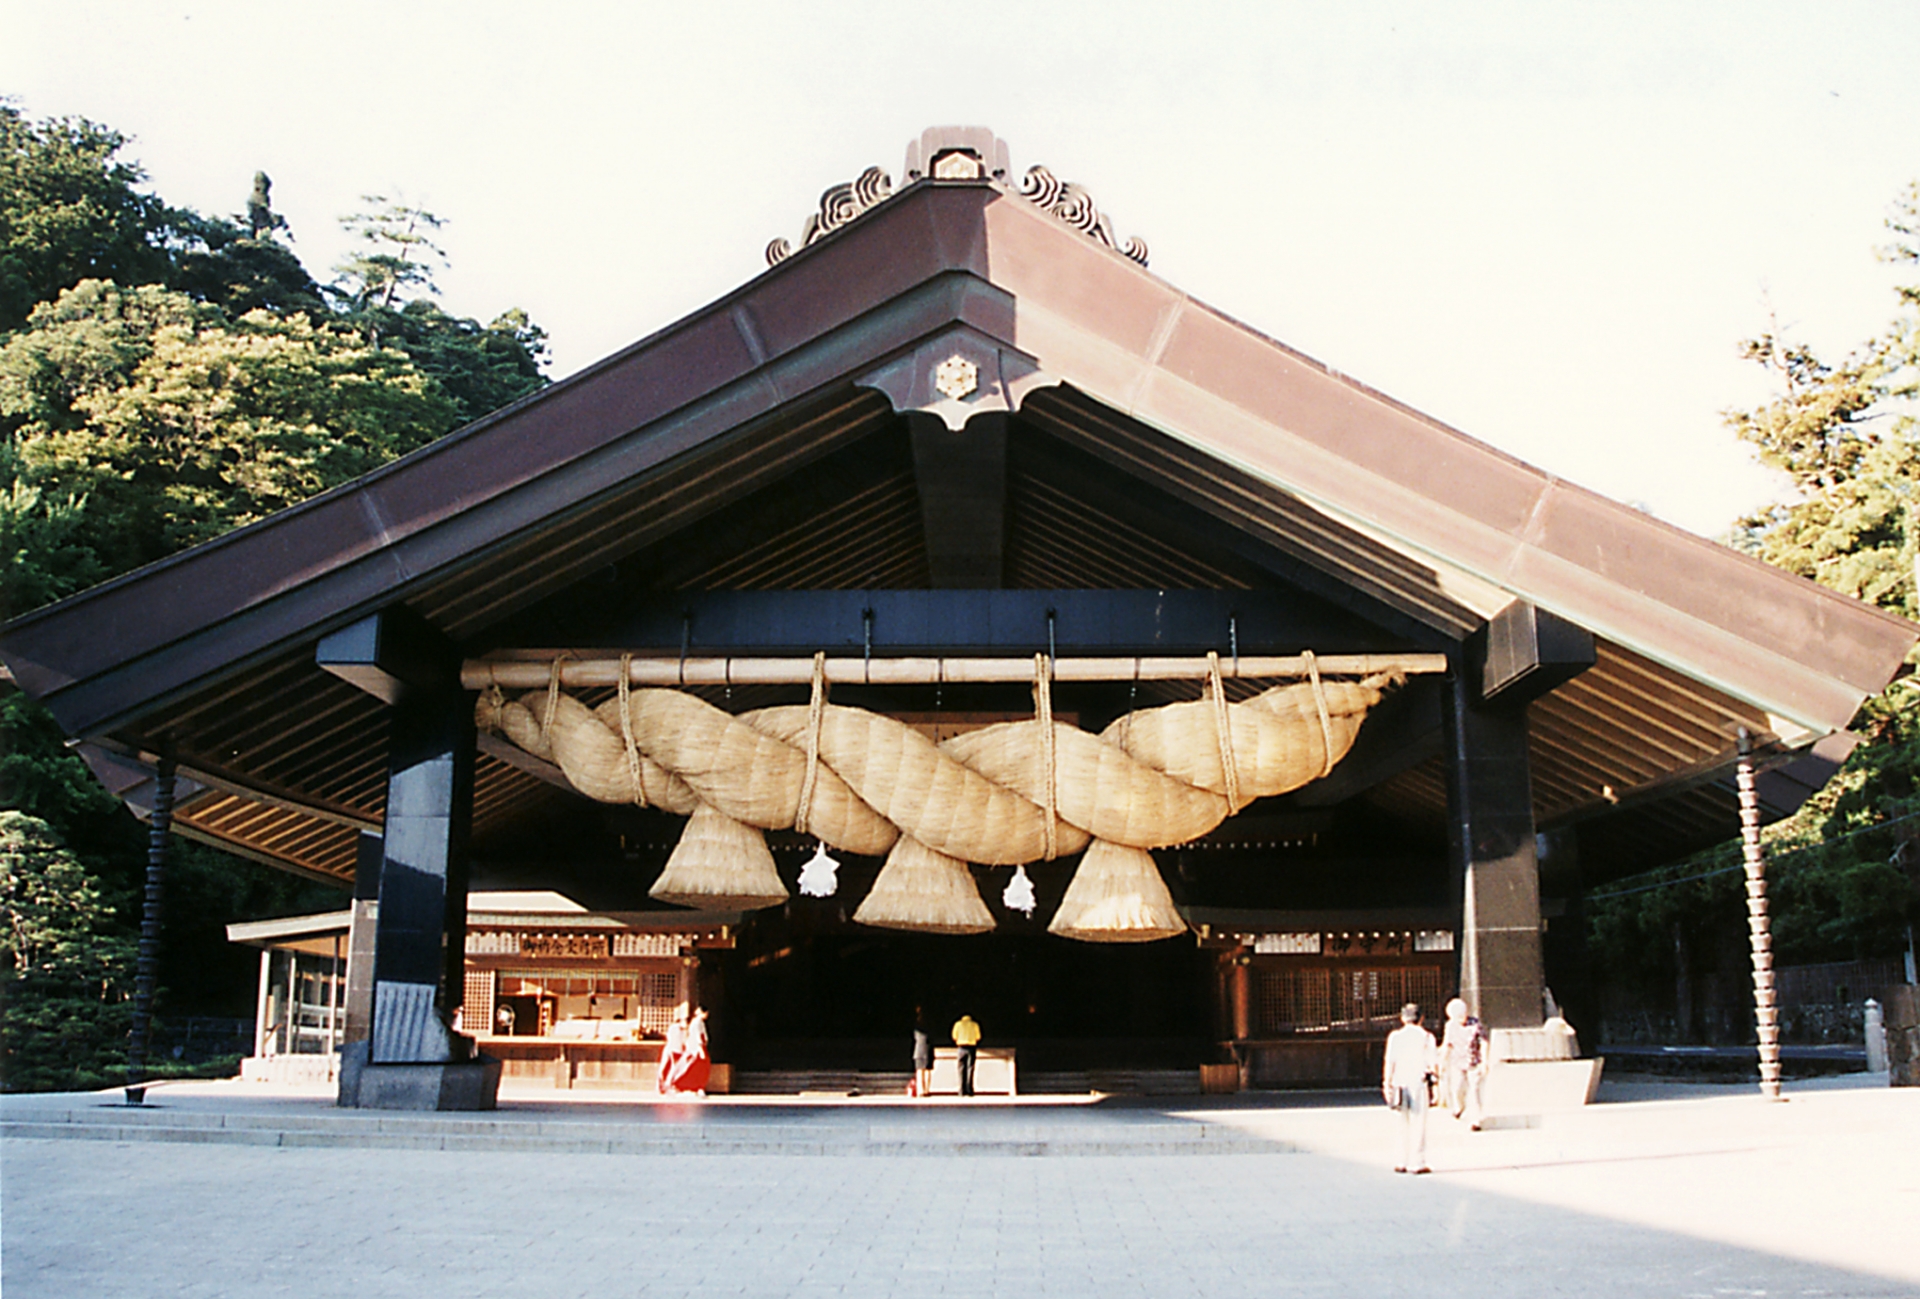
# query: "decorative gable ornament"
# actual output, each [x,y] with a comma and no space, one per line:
[959,154]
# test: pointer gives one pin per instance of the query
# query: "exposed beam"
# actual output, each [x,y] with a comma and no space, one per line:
[1525,652]
[520,760]
[519,674]
[892,623]
[962,480]
[250,788]
[390,655]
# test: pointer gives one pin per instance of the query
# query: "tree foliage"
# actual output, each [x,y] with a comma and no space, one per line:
[1845,432]
[70,210]
[165,376]
[65,973]
[142,422]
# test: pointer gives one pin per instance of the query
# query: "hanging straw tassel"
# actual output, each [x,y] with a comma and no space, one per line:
[926,892]
[1117,896]
[720,865]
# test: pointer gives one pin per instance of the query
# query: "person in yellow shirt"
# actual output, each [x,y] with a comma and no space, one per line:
[966,1037]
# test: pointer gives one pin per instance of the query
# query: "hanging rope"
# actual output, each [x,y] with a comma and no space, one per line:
[816,709]
[553,699]
[626,731]
[998,795]
[1320,703]
[1223,730]
[1049,759]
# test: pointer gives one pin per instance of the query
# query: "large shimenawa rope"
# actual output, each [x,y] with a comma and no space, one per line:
[1006,794]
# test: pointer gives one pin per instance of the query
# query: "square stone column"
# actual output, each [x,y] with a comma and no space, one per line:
[1491,842]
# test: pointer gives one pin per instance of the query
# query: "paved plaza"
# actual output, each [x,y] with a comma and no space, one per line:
[1660,1189]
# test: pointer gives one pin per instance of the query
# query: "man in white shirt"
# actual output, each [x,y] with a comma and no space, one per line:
[1406,1080]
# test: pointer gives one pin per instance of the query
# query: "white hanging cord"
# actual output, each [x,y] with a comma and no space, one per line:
[626,731]
[1320,702]
[1043,710]
[816,711]
[1223,731]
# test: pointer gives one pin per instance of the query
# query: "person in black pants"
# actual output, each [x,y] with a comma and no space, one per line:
[966,1037]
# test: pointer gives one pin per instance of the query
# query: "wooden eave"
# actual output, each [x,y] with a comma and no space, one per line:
[1296,466]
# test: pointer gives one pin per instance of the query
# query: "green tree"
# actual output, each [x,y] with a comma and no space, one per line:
[165,376]
[65,975]
[71,210]
[1845,432]
[160,424]
[385,291]
[398,254]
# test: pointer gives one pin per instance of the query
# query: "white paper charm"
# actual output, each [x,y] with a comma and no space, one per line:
[1019,894]
[817,879]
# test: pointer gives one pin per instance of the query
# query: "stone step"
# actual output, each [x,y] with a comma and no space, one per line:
[891,1132]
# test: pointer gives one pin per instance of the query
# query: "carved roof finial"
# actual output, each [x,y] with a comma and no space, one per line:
[959,153]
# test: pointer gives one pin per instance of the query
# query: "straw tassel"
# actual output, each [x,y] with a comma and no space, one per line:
[1117,896]
[720,865]
[925,892]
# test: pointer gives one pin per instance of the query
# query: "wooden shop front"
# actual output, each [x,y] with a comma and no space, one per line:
[583,1001]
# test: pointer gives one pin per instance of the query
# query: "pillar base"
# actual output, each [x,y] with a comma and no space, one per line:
[465,1085]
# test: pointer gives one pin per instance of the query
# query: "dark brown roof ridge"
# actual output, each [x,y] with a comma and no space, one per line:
[936,257]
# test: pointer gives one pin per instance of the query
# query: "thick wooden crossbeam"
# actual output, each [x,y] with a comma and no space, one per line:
[521,673]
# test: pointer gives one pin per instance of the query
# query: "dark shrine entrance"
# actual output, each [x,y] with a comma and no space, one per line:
[848,1001]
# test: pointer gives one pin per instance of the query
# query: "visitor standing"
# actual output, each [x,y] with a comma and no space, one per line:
[966,1040]
[1406,1078]
[1463,1063]
[922,1058]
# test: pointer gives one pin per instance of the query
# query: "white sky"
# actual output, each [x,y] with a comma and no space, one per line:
[1546,224]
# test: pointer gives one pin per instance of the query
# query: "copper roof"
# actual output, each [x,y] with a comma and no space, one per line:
[1154,443]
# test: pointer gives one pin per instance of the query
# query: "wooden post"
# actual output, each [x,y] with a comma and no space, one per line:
[1765,1013]
[261,1004]
[147,965]
[333,1001]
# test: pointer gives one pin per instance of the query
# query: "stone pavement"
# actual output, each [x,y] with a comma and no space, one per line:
[1661,1189]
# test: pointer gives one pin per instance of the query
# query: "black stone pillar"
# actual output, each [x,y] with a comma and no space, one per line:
[420,937]
[361,926]
[1491,841]
[410,1058]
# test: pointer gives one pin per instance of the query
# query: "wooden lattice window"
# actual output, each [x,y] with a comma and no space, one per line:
[476,1002]
[1321,999]
[655,997]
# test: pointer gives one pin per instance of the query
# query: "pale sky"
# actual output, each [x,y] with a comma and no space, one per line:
[1546,224]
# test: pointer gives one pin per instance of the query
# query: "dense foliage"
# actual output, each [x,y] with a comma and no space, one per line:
[166,376]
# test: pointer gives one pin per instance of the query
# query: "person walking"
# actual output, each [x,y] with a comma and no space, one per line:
[1463,1063]
[966,1039]
[1406,1079]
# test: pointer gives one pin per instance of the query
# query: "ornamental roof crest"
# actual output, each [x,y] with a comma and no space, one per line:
[959,153]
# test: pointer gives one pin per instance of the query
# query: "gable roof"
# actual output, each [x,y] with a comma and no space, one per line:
[1303,469]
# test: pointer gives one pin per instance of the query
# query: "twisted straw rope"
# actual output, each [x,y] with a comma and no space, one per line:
[995,795]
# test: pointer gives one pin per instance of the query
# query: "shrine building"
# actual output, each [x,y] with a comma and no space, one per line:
[953,618]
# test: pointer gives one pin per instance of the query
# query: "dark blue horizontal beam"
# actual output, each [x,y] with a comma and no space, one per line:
[979,621]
